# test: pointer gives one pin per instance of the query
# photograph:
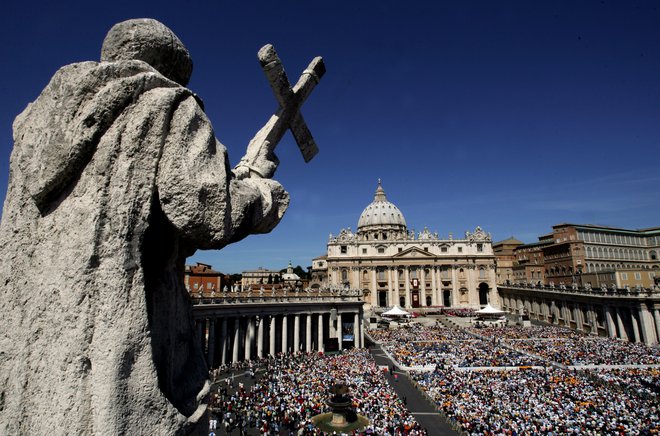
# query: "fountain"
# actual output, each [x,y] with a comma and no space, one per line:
[342,418]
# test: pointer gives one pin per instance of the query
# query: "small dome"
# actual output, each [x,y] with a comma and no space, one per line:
[381,213]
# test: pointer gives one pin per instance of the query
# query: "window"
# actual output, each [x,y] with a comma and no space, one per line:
[480,248]
[400,249]
[638,276]
[426,248]
[320,264]
[344,275]
[624,276]
[343,249]
[482,273]
[381,274]
[460,249]
[195,285]
[209,285]
[413,273]
[381,250]
[443,249]
[364,251]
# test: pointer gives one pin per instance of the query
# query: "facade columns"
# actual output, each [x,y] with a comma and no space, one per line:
[374,287]
[422,279]
[340,335]
[356,278]
[397,296]
[454,286]
[434,286]
[356,331]
[406,275]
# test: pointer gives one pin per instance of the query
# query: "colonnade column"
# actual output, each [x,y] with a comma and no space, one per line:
[646,321]
[422,275]
[656,318]
[211,347]
[260,338]
[635,326]
[308,333]
[224,340]
[249,338]
[356,331]
[611,327]
[237,336]
[271,336]
[199,332]
[622,329]
[319,343]
[296,333]
[285,334]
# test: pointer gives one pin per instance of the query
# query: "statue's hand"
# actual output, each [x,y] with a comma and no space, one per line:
[241,172]
[259,161]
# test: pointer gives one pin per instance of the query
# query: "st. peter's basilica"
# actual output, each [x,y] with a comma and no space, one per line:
[395,266]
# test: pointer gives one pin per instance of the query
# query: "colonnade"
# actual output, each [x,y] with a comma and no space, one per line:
[229,338]
[630,317]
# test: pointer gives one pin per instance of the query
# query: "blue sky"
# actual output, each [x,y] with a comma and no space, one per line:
[513,116]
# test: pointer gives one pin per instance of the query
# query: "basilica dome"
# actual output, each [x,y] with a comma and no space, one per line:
[381,214]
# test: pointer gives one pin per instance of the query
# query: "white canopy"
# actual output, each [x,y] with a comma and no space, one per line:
[395,311]
[489,310]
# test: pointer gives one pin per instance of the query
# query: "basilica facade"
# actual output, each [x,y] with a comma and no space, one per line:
[395,266]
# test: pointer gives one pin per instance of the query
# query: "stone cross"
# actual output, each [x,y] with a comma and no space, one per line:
[290,99]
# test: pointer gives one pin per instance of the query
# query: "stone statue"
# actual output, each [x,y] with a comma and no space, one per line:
[116,177]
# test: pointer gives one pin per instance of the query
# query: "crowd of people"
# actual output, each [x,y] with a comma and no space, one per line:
[488,381]
[420,333]
[294,388]
[591,351]
[538,396]
[530,332]
[464,353]
[538,401]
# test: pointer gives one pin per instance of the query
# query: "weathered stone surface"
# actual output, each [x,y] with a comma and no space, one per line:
[116,177]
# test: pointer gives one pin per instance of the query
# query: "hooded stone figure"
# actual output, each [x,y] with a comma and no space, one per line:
[116,177]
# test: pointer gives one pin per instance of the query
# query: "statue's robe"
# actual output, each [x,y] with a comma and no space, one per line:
[115,178]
